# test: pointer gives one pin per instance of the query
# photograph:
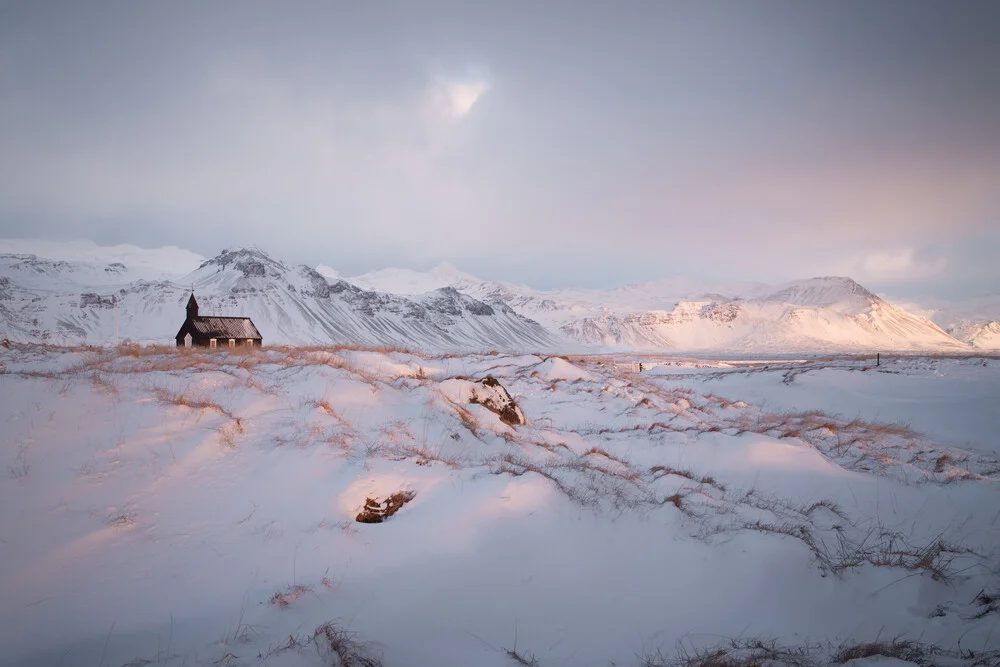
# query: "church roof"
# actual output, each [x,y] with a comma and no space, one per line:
[225,327]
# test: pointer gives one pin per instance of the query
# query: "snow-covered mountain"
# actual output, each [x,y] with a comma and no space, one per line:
[446,309]
[289,304]
[409,282]
[975,321]
[982,334]
[137,263]
[815,314]
[806,315]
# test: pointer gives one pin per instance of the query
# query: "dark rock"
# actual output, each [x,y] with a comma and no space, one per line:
[91,300]
[496,399]
[377,511]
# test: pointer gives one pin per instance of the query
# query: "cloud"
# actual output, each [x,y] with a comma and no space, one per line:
[327,272]
[899,266]
[457,98]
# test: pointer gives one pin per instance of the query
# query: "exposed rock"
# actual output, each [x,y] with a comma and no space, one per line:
[320,287]
[721,312]
[377,511]
[493,396]
[91,300]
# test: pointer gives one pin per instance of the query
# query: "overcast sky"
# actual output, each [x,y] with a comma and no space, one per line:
[552,143]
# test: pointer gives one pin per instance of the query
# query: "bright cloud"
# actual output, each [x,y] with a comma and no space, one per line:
[459,98]
[901,265]
[327,271]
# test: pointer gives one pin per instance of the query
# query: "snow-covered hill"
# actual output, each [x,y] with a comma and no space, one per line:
[63,301]
[289,304]
[980,334]
[974,321]
[208,509]
[807,315]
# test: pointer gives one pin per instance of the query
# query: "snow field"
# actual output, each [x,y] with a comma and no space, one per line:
[155,501]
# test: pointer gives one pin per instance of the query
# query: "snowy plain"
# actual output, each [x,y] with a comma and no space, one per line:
[171,507]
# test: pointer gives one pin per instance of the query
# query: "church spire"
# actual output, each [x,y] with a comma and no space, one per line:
[192,307]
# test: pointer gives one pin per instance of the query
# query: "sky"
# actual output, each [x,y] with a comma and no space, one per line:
[552,143]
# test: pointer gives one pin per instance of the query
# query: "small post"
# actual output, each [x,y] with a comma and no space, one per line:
[878,360]
[116,320]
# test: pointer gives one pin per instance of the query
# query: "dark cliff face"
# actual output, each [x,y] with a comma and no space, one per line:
[450,301]
[320,289]
[91,300]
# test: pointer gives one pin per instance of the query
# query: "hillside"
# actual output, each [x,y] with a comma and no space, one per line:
[63,301]
[205,508]
[289,304]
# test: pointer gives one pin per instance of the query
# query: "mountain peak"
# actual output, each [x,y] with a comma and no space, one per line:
[823,292]
[248,260]
[248,249]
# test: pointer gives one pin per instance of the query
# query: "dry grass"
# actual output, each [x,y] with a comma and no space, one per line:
[289,595]
[322,405]
[769,653]
[599,451]
[558,448]
[181,399]
[988,603]
[103,383]
[943,461]
[515,466]
[659,471]
[676,500]
[228,432]
[878,547]
[466,417]
[735,653]
[20,468]
[907,651]
[521,659]
[424,455]
[341,648]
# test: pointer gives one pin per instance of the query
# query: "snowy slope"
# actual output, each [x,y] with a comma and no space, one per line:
[199,509]
[981,334]
[289,304]
[73,302]
[974,321]
[819,314]
[815,314]
[141,263]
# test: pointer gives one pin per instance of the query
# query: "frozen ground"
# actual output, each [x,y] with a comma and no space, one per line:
[163,507]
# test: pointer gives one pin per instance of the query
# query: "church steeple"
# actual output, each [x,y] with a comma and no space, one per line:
[192,307]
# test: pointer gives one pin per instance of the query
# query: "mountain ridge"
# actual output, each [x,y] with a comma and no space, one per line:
[445,308]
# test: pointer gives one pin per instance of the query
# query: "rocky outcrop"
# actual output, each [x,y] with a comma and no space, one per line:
[492,395]
[377,511]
